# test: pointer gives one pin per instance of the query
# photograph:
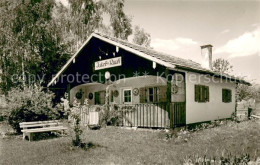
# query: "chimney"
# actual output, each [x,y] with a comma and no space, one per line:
[206,52]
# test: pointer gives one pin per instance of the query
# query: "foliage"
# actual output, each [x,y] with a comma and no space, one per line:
[75,114]
[224,159]
[38,36]
[31,42]
[2,107]
[222,66]
[78,130]
[246,92]
[234,117]
[119,21]
[183,134]
[110,115]
[205,125]
[29,104]
[243,92]
[141,37]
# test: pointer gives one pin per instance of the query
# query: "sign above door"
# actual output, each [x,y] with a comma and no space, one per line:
[108,63]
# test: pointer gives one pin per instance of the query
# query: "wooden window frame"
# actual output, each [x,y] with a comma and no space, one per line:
[226,95]
[161,94]
[155,94]
[131,95]
[201,93]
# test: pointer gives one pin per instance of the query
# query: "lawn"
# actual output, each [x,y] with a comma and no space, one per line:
[115,145]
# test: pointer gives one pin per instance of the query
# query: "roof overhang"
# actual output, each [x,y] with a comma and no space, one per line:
[211,73]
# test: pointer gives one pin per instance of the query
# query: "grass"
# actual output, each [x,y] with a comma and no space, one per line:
[114,145]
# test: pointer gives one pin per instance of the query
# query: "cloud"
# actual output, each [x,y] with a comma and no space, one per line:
[185,41]
[255,25]
[244,45]
[172,44]
[225,31]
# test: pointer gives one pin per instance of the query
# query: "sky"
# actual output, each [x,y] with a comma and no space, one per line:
[180,27]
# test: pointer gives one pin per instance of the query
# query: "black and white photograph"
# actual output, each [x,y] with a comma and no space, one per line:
[129,82]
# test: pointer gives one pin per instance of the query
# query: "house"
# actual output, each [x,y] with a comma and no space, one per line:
[156,89]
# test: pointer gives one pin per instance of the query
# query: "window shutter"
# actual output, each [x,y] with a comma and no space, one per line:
[163,94]
[207,93]
[196,95]
[142,95]
[223,100]
[97,98]
[102,96]
[229,96]
[202,94]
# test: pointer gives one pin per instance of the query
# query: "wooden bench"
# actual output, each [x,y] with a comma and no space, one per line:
[255,116]
[29,128]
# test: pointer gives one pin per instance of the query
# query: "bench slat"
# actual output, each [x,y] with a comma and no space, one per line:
[39,125]
[39,122]
[47,129]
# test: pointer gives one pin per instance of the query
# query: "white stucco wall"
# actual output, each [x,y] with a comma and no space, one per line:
[136,82]
[215,108]
[120,85]
[195,111]
[86,88]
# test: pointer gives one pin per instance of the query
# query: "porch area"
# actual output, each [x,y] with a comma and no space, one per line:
[143,115]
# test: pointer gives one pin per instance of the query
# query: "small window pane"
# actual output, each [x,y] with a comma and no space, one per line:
[156,94]
[201,93]
[226,95]
[150,94]
[127,96]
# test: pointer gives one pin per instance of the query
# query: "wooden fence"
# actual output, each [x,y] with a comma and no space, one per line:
[158,115]
[148,115]
[88,116]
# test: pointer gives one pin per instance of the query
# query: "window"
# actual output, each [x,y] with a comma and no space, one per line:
[153,94]
[201,93]
[226,95]
[97,99]
[127,95]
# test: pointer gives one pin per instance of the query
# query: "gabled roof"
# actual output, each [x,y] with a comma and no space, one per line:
[152,53]
[169,61]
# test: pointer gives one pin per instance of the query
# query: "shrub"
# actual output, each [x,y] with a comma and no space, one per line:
[75,114]
[29,104]
[2,107]
[111,115]
[77,129]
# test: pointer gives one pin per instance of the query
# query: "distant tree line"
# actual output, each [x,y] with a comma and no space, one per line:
[243,92]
